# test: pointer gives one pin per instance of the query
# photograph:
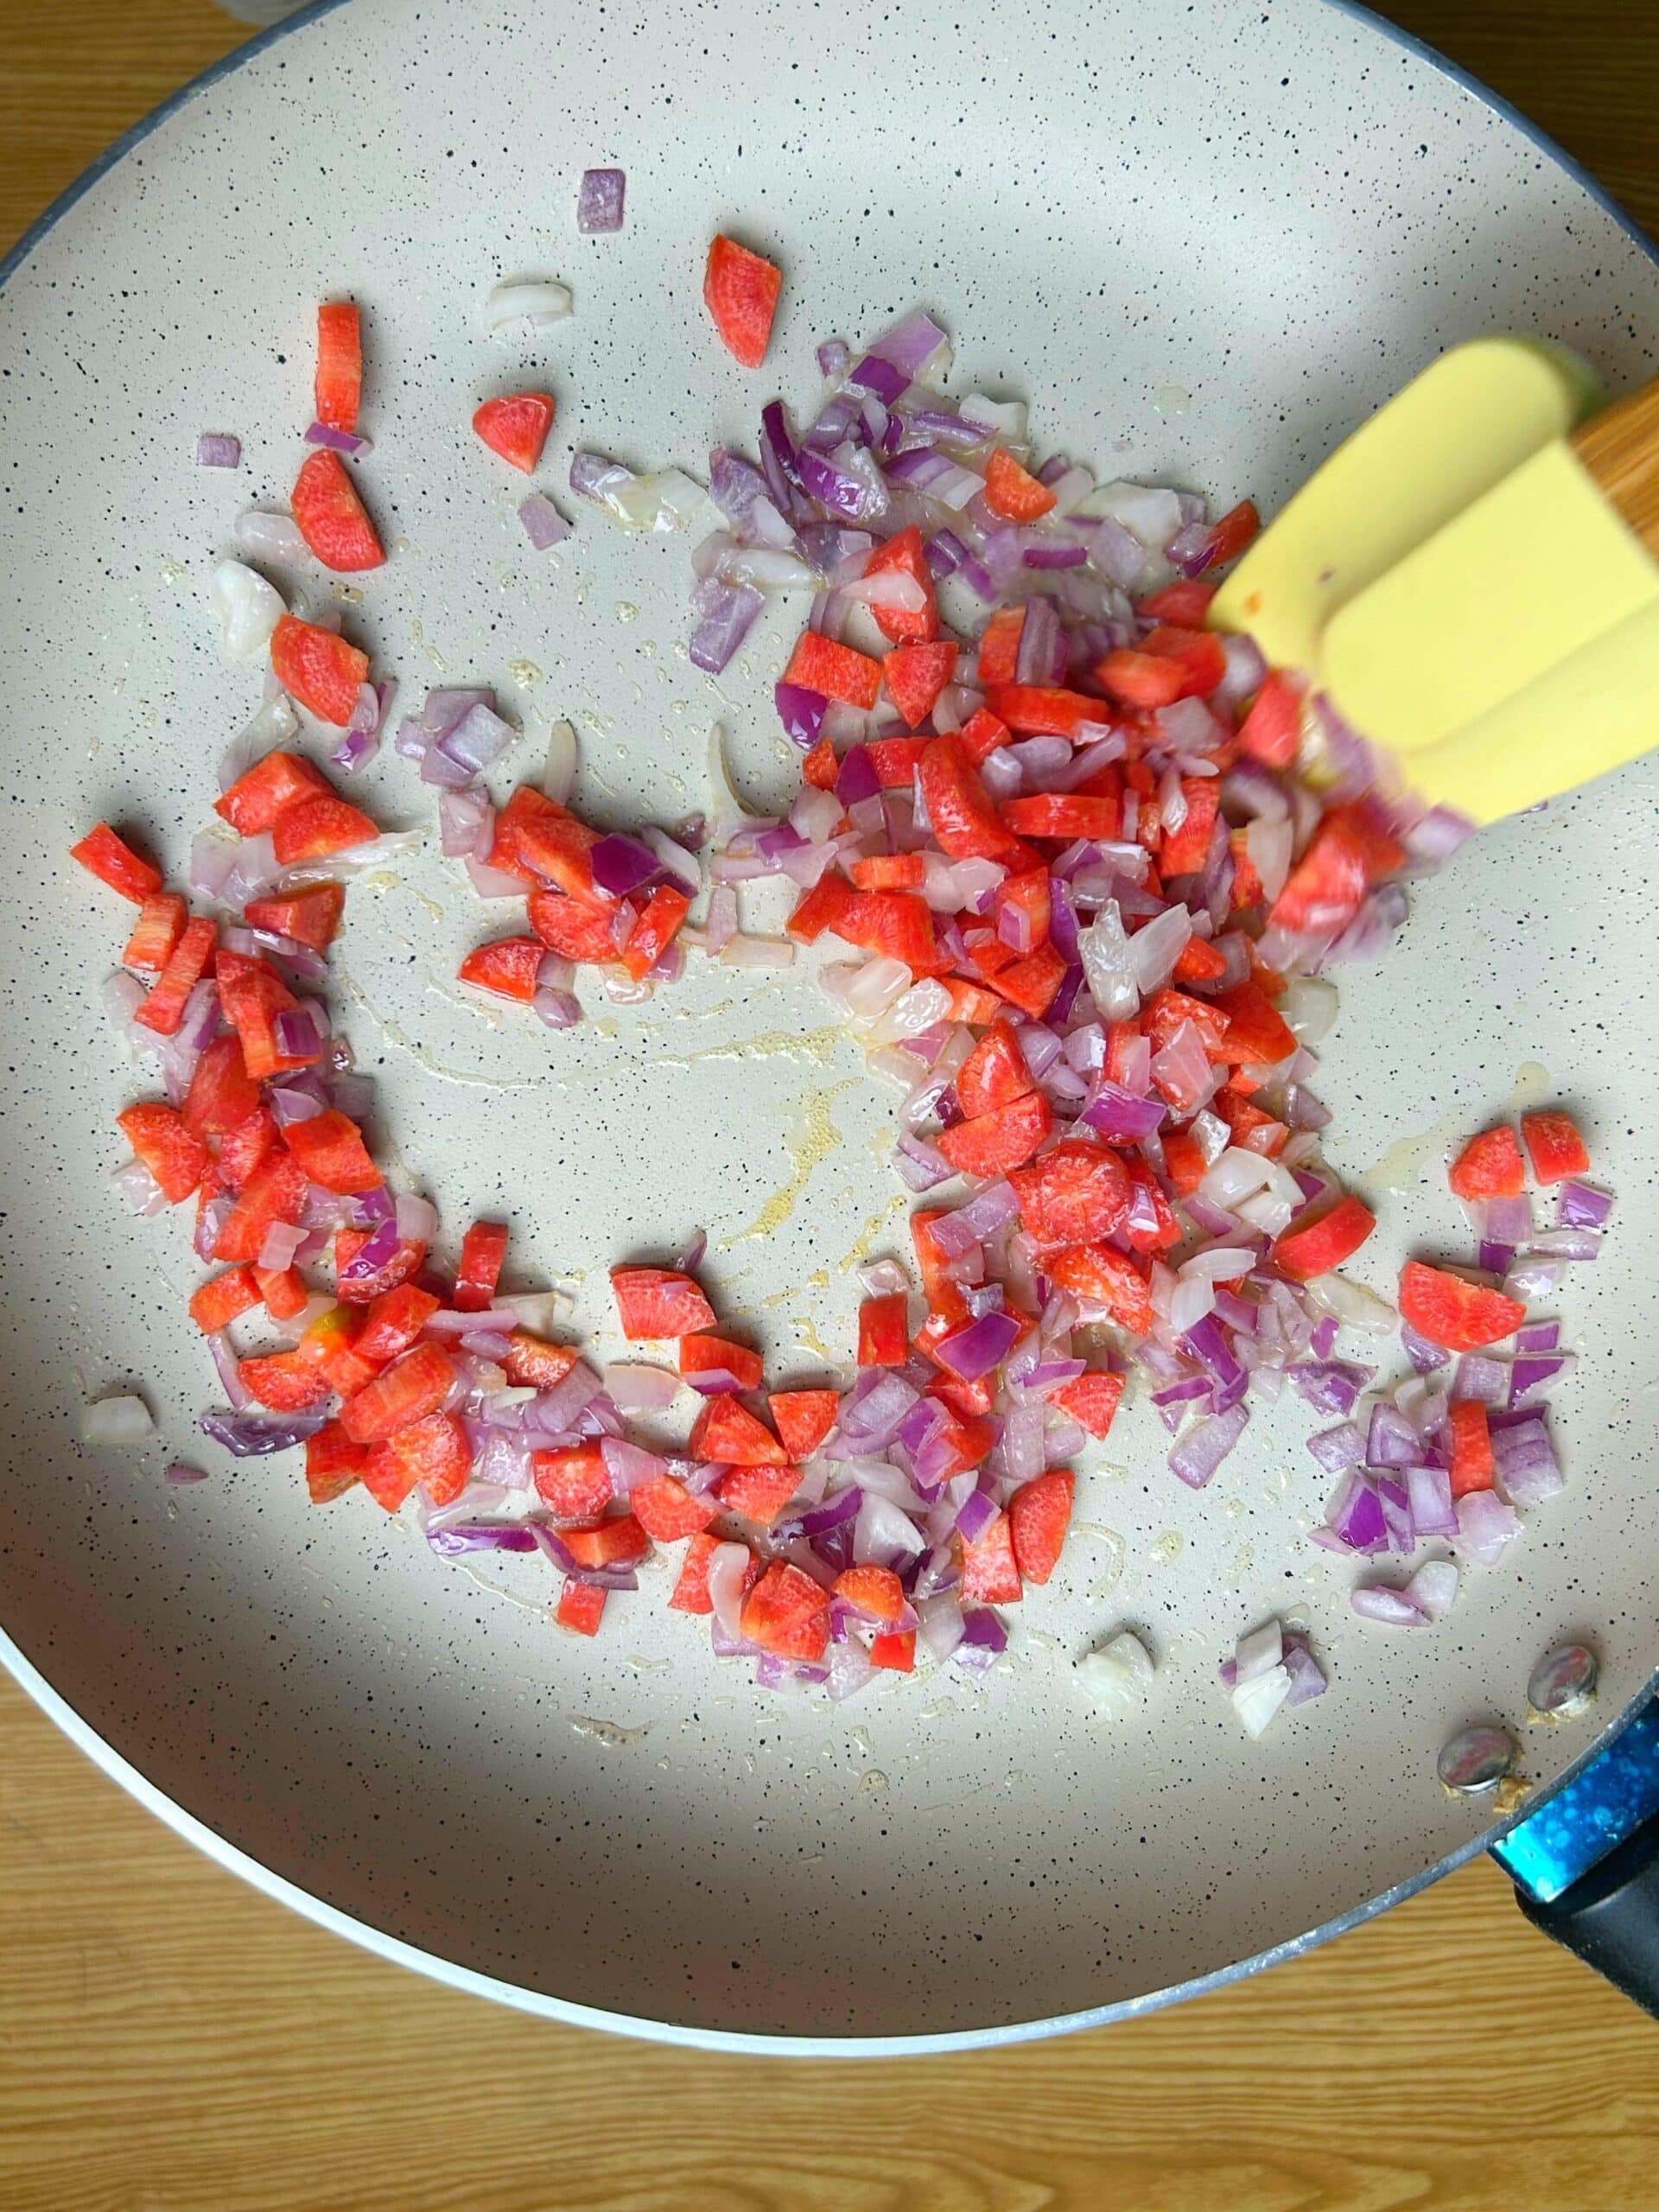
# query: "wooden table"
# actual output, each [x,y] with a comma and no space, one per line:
[172,2042]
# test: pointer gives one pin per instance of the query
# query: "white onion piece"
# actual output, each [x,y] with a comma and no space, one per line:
[1269,845]
[538,1311]
[1108,967]
[275,724]
[1352,1304]
[246,608]
[919,1008]
[891,589]
[1152,515]
[1309,1007]
[1118,1675]
[518,305]
[742,951]
[1155,950]
[1433,1587]
[727,1564]
[872,988]
[1258,1652]
[999,418]
[269,537]
[122,1418]
[769,568]
[1256,1701]
[559,776]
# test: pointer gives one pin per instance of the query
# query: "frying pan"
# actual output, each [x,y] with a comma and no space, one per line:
[1205,241]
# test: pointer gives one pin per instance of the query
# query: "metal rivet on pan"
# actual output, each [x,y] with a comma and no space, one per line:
[1563,1682]
[1476,1759]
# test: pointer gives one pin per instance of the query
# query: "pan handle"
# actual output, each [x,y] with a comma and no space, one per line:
[1585,1864]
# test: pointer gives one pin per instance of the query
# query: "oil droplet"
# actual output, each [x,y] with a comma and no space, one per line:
[876,1227]
[861,1737]
[525,673]
[1531,1087]
[1168,1546]
[626,611]
[1171,401]
[872,1784]
[1114,1551]
[609,1732]
[818,1046]
[173,572]
[1243,1558]
[812,1141]
[1401,1168]
[938,1709]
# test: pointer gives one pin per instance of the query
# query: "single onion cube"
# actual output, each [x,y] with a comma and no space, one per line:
[598,202]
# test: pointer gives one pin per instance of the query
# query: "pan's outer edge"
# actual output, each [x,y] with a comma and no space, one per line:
[228,1855]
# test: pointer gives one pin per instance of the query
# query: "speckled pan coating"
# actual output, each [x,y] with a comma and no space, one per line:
[1275,207]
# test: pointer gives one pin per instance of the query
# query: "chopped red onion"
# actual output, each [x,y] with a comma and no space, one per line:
[1377,1601]
[218,449]
[600,201]
[1204,1447]
[350,442]
[248,1436]
[1580,1206]
[545,525]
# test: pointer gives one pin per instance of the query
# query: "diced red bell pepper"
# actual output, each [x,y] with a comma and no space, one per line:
[1327,886]
[1040,1513]
[691,1591]
[112,860]
[392,1322]
[657,1302]
[1186,603]
[283,1292]
[415,1384]
[989,1571]
[825,907]
[329,1147]
[338,390]
[572,928]
[1302,1252]
[1077,1193]
[1489,1167]
[483,1252]
[388,1478]
[284,1380]
[553,844]
[1473,1464]
[157,930]
[1199,962]
[1253,1130]
[222,1094]
[1462,1316]
[903,554]
[1166,1011]
[728,1432]
[1183,851]
[884,1330]
[821,768]
[760,1494]
[786,1613]
[1248,890]
[408,1260]
[891,872]
[994,1074]
[620,1542]
[1134,678]
[1031,983]
[897,924]
[1062,816]
[533,1362]
[316,827]
[1272,731]
[524,805]
[991,1144]
[803,1419]
[999,647]
[964,820]
[332,518]
[218,1303]
[915,675]
[894,1648]
[656,929]
[1557,1150]
[702,1354]
[250,996]
[895,760]
[163,1010]
[573,1480]
[982,734]
[318,668]
[1111,1278]
[333,1464]
[1184,1162]
[668,1511]
[970,1004]
[172,1151]
[1198,653]
[581,1607]
[1013,491]
[1229,536]
[515,427]
[437,1451]
[309,916]
[875,1591]
[508,967]
[741,290]
[1092,1399]
[1257,1034]
[819,663]
[1046,710]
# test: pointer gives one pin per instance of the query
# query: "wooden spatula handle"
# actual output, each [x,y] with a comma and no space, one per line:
[1620,450]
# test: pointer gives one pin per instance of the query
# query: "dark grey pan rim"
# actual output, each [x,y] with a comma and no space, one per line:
[195,1830]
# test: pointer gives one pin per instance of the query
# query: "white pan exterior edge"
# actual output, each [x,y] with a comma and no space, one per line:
[408,1757]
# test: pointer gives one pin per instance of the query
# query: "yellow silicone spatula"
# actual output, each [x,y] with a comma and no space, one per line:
[1473,579]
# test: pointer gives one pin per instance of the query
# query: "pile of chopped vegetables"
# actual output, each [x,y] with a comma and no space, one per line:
[1079,866]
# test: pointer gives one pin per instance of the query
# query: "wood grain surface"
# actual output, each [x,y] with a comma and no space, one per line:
[170,2041]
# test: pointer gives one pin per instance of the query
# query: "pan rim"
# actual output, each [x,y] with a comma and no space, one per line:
[398,1951]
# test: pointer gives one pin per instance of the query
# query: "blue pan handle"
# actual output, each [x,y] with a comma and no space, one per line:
[1585,1864]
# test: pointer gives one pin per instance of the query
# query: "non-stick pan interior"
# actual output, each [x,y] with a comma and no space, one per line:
[1205,242]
